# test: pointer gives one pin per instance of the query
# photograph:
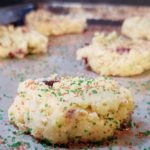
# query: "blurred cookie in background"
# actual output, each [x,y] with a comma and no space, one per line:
[19,41]
[48,23]
[115,55]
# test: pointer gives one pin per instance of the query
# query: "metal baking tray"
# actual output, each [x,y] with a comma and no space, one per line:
[93,12]
[61,59]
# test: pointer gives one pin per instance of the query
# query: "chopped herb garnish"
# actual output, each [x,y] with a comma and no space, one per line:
[44,90]
[39,95]
[46,105]
[110,147]
[94,91]
[30,130]
[146,133]
[16,145]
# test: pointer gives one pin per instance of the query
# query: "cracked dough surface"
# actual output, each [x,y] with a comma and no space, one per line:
[114,55]
[48,23]
[20,41]
[71,109]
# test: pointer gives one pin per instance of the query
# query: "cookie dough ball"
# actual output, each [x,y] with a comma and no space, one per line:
[137,28]
[71,109]
[114,55]
[20,41]
[48,23]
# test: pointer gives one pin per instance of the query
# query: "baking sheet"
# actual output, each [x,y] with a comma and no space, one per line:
[98,10]
[61,59]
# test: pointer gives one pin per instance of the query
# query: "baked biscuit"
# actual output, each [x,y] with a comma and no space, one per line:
[71,109]
[114,55]
[137,28]
[48,23]
[20,41]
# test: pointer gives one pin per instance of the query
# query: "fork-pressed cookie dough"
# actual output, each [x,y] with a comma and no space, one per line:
[48,23]
[20,41]
[71,109]
[114,55]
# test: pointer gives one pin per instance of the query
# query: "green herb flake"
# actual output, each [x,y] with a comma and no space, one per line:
[1,117]
[65,108]
[59,94]
[13,139]
[146,133]
[1,110]
[30,130]
[27,144]
[94,91]
[110,147]
[39,95]
[148,103]
[21,77]
[54,94]
[44,90]
[16,145]
[46,105]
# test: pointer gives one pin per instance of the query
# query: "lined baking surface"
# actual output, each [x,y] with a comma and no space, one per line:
[61,59]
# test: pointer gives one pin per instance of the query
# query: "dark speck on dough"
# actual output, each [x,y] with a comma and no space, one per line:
[70,113]
[122,50]
[50,83]
[85,61]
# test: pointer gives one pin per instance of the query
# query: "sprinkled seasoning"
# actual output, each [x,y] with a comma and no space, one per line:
[46,105]
[146,133]
[94,91]
[44,90]
[148,103]
[77,85]
[22,94]
[13,71]
[1,116]
[30,130]
[16,145]
[39,95]
[21,77]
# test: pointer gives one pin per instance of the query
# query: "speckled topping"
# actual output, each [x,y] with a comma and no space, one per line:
[68,109]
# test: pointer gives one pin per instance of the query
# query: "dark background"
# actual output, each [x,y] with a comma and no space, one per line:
[130,2]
